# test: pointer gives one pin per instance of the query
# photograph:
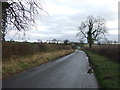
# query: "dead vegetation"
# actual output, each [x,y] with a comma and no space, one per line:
[110,51]
[18,57]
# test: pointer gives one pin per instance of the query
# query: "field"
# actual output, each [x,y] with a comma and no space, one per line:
[105,62]
[18,56]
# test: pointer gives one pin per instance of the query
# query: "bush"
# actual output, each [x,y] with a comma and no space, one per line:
[10,49]
[109,51]
[14,48]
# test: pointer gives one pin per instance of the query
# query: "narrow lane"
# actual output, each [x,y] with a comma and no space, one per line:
[70,71]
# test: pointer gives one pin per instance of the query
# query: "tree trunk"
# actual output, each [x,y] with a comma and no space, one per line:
[90,44]
[3,31]
[89,38]
[5,5]
[3,36]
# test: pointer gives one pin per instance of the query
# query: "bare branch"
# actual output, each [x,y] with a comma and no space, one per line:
[92,29]
[20,13]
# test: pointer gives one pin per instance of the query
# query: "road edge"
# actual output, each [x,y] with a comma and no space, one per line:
[89,59]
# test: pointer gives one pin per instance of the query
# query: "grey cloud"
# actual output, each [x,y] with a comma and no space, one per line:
[63,23]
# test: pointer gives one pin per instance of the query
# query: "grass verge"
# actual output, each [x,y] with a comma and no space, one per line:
[19,64]
[106,70]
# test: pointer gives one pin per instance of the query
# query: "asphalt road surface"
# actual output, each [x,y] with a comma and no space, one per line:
[71,71]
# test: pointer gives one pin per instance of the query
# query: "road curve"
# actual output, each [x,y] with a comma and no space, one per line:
[70,71]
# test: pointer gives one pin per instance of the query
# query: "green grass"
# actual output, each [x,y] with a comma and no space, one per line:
[106,70]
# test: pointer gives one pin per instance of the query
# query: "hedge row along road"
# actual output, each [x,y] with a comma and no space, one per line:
[71,71]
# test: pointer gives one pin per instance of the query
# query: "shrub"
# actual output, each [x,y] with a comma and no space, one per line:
[10,49]
[14,48]
[109,51]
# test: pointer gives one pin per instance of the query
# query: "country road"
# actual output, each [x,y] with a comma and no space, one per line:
[70,71]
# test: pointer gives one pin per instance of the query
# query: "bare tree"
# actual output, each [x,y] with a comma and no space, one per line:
[92,29]
[19,14]
[66,42]
[39,41]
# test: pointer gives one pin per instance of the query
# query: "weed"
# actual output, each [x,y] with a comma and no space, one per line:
[105,69]
[15,65]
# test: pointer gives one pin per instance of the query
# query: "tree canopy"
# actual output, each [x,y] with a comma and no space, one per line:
[19,14]
[92,29]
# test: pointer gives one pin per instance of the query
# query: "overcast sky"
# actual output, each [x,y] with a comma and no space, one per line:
[65,17]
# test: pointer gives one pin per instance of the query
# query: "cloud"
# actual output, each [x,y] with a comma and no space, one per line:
[65,17]
[113,32]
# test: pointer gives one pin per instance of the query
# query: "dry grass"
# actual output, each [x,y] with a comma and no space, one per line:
[109,51]
[13,49]
[18,64]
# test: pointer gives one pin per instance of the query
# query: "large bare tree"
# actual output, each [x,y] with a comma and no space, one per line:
[92,29]
[19,14]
